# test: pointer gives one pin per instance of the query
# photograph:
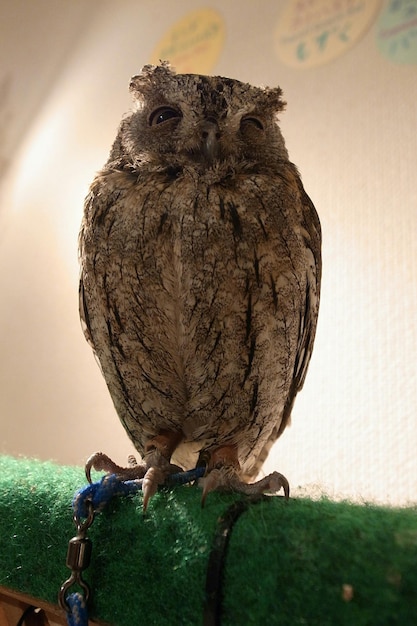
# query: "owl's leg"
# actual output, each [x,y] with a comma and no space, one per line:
[154,469]
[224,475]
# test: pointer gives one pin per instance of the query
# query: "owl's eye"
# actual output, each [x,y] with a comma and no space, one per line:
[249,121]
[163,114]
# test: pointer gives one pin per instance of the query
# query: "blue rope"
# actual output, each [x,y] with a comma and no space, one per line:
[78,615]
[99,494]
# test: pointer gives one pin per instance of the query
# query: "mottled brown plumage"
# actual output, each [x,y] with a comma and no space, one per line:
[200,274]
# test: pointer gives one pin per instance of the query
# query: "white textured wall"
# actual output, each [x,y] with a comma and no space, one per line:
[350,126]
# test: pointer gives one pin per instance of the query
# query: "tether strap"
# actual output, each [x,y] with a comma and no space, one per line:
[215,566]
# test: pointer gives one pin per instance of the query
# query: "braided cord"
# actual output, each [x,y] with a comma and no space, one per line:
[77,614]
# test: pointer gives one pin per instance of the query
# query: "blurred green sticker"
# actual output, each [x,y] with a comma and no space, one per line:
[397,31]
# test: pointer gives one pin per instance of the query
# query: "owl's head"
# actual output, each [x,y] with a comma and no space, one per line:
[189,120]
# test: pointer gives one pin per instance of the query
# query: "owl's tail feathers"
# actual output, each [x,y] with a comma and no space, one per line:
[224,475]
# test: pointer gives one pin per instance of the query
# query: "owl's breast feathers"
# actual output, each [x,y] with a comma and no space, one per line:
[201,300]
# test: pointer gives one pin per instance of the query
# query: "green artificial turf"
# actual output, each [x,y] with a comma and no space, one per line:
[297,562]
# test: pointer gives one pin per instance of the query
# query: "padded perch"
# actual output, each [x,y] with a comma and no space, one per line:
[295,562]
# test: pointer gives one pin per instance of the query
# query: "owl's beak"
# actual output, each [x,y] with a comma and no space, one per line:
[210,135]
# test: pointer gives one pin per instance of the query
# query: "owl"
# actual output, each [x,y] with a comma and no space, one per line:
[200,259]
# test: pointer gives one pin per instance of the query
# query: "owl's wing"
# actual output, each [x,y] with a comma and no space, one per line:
[311,232]
[308,315]
[96,205]
[84,317]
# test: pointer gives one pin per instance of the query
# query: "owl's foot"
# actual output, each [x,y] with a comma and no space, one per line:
[154,469]
[224,475]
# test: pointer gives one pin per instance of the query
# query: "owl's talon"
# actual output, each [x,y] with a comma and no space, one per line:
[212,482]
[151,481]
[158,467]
[227,479]
[101,462]
[274,482]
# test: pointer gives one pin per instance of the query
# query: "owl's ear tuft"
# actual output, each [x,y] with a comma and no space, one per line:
[273,98]
[149,75]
